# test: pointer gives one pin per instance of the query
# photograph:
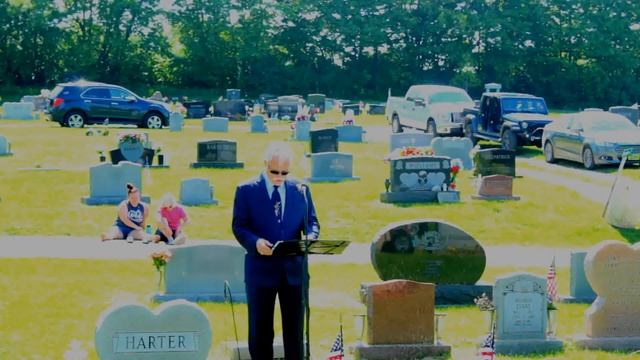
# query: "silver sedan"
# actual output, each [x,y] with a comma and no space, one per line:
[592,138]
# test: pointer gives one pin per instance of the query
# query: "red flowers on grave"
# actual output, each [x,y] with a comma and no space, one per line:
[456,166]
[415,151]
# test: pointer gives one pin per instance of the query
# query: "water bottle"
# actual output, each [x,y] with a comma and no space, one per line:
[148,229]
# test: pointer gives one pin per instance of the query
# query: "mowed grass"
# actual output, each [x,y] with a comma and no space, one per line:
[47,304]
[42,185]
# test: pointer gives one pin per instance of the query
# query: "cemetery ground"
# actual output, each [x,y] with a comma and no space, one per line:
[47,304]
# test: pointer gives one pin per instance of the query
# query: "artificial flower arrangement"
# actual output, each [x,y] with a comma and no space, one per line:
[408,151]
[456,166]
[160,260]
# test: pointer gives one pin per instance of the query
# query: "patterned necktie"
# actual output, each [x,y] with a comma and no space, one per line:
[277,203]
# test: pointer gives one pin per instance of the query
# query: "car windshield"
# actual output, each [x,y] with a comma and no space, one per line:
[607,122]
[524,105]
[449,97]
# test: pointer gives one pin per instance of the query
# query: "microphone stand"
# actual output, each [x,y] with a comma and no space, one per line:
[305,274]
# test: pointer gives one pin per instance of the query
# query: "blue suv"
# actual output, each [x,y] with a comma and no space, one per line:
[81,103]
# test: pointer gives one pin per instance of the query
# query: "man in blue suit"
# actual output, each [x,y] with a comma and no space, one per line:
[268,209]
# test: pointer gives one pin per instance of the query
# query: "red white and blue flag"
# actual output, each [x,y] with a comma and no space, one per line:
[337,349]
[488,348]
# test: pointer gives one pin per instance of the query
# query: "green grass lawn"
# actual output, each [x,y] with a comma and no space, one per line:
[58,302]
[46,304]
[39,202]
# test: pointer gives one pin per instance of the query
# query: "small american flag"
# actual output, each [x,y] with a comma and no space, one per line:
[488,349]
[337,349]
[552,287]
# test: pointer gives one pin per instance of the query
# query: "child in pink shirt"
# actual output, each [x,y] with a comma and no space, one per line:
[171,219]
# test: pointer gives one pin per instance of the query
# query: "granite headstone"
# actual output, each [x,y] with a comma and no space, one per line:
[198,273]
[331,167]
[455,148]
[258,124]
[197,191]
[427,251]
[107,183]
[521,315]
[176,330]
[18,111]
[398,141]
[176,121]
[217,154]
[580,290]
[350,133]
[215,124]
[495,162]
[5,146]
[496,187]
[400,321]
[302,130]
[325,140]
[613,269]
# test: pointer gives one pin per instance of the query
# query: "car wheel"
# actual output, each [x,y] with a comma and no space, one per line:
[395,125]
[152,121]
[509,140]
[75,119]
[431,128]
[548,152]
[468,133]
[588,159]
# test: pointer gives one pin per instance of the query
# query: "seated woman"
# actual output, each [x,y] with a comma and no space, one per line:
[132,215]
[171,219]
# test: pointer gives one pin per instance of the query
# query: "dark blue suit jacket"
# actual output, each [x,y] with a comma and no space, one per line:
[254,218]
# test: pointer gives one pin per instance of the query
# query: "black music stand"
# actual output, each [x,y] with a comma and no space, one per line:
[304,248]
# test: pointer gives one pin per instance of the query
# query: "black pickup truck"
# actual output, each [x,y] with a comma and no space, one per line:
[511,119]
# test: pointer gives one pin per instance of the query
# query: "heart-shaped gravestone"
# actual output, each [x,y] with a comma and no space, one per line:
[176,330]
[409,180]
[131,150]
[613,270]
[428,251]
[435,179]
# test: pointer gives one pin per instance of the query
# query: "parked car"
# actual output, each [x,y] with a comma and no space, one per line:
[511,119]
[592,138]
[433,108]
[82,103]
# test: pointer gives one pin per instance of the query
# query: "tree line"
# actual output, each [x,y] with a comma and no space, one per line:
[575,53]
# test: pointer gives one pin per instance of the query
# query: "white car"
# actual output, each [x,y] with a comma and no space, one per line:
[435,109]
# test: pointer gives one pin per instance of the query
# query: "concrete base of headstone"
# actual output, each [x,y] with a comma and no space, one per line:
[528,346]
[408,197]
[460,294]
[495,198]
[448,197]
[575,300]
[200,297]
[278,351]
[217,165]
[608,343]
[331,179]
[400,351]
[109,200]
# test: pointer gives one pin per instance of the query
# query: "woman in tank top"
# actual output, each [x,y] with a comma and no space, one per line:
[132,216]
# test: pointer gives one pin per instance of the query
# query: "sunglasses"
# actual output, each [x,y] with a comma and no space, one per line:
[276,172]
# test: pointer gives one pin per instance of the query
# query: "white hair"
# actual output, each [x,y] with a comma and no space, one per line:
[167,200]
[278,150]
